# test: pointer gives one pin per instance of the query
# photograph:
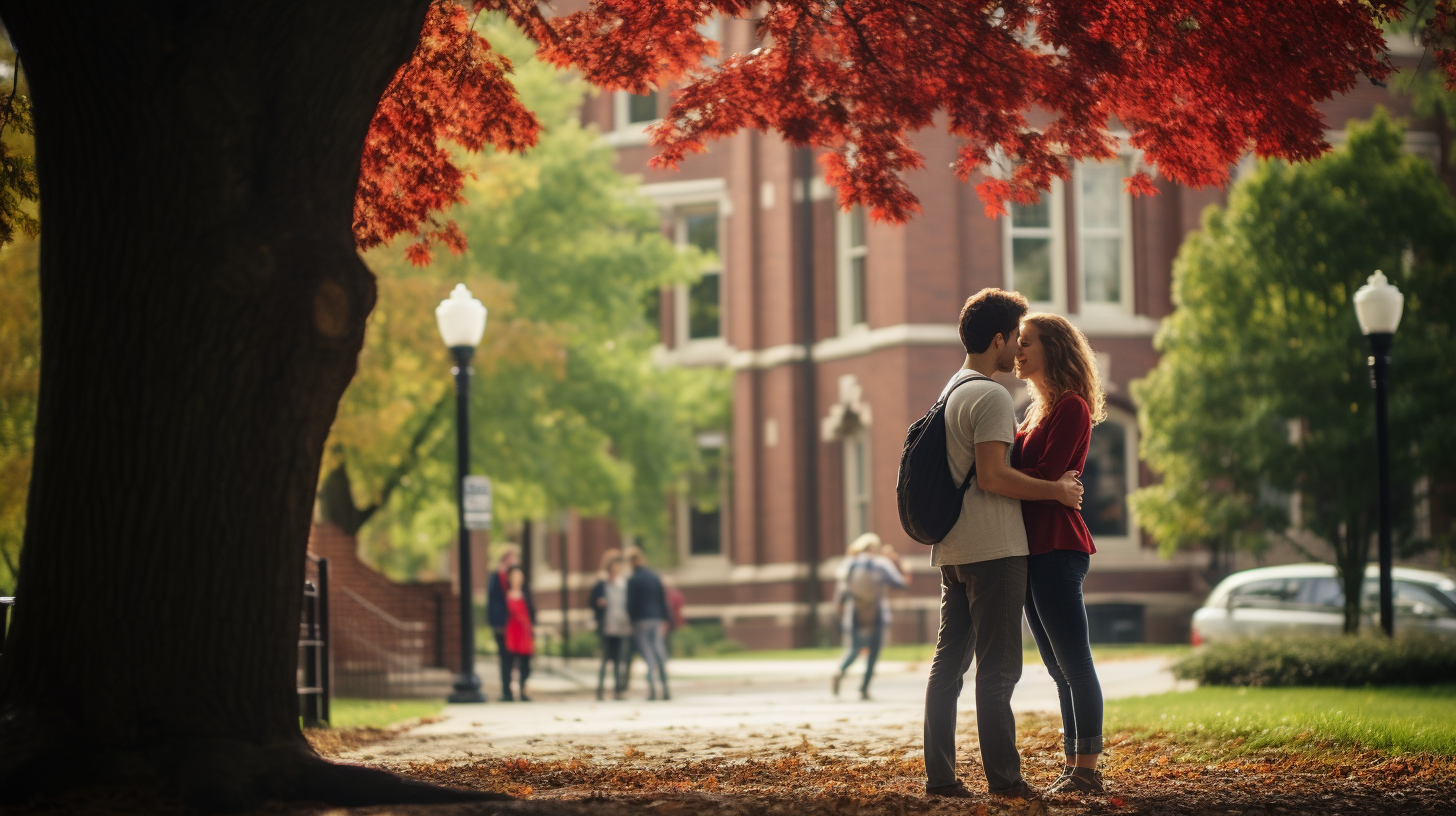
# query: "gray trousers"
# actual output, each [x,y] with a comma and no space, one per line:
[980,617]
[652,645]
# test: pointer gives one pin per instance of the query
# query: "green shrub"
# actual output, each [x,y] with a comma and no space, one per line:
[582,644]
[1414,658]
[703,639]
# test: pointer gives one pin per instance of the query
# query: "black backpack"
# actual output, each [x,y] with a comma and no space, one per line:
[929,498]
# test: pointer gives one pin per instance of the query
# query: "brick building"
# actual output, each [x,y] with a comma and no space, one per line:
[810,457]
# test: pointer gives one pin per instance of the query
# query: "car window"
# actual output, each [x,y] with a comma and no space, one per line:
[1268,592]
[1325,592]
[1409,598]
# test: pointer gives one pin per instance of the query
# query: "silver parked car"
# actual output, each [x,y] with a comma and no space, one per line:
[1308,598]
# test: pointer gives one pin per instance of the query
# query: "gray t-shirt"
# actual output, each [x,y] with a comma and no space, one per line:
[990,524]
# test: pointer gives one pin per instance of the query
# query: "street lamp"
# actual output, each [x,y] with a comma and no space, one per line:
[1377,307]
[462,322]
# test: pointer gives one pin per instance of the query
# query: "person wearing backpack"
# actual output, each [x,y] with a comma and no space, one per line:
[982,558]
[864,606]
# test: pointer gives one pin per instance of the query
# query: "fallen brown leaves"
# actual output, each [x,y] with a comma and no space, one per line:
[1155,774]
[1148,775]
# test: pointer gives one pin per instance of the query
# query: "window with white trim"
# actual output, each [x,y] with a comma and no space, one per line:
[850,261]
[1104,237]
[704,505]
[700,303]
[856,484]
[635,110]
[1033,250]
[1109,476]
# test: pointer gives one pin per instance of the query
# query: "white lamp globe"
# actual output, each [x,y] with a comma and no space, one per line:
[461,318]
[1378,305]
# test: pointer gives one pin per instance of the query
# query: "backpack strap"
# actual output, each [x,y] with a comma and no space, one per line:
[970,474]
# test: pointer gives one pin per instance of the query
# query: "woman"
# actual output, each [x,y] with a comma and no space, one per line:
[520,637]
[1066,401]
[614,627]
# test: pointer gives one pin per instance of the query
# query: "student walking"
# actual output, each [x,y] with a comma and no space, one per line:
[520,632]
[614,627]
[864,604]
[982,560]
[1067,400]
[647,607]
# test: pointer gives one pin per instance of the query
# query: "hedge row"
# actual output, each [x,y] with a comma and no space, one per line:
[1409,659]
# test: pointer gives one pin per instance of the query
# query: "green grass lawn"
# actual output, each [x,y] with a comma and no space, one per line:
[923,652]
[346,712]
[1394,719]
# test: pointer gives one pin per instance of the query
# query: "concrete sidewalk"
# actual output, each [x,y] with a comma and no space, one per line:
[719,707]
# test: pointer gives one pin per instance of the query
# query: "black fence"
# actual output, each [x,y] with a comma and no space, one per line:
[315,681]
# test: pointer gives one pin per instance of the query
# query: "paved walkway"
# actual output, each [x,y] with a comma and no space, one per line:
[719,708]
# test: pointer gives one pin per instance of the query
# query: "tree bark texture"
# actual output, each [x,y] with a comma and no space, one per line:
[203,307]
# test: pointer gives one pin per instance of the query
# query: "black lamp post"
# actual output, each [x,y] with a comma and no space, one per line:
[462,322]
[1377,307]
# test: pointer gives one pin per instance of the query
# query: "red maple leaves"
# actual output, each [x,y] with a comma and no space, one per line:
[1029,86]
[453,89]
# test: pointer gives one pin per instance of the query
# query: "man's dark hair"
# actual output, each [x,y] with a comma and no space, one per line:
[988,313]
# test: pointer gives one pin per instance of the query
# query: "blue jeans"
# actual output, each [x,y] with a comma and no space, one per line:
[1058,620]
[871,639]
[650,639]
[614,650]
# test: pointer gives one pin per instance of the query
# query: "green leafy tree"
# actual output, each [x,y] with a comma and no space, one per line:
[1263,391]
[19,310]
[19,382]
[567,408]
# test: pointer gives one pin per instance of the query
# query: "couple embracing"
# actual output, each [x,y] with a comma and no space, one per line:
[1019,542]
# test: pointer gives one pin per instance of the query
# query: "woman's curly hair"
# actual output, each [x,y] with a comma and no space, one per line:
[1070,367]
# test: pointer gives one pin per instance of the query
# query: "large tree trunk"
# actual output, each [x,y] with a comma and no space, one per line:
[203,307]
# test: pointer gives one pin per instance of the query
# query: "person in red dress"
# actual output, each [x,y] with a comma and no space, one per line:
[520,639]
[1067,399]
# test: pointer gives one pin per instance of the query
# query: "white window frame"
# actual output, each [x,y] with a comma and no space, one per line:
[672,197]
[682,291]
[1057,232]
[845,253]
[857,441]
[625,133]
[1131,542]
[684,508]
[1127,305]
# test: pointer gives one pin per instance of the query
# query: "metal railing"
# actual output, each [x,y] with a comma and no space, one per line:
[315,682]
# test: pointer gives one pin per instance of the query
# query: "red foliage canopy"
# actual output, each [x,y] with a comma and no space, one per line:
[1027,85]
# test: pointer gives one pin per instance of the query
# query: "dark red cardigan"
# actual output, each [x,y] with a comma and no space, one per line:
[1056,445]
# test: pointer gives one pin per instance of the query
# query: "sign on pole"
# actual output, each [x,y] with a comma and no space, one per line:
[477,503]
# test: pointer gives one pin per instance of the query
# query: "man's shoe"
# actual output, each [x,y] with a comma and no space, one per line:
[864,694]
[507,698]
[955,790]
[1079,780]
[1020,790]
[834,683]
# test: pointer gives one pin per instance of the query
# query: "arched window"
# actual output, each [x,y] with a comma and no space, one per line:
[1110,475]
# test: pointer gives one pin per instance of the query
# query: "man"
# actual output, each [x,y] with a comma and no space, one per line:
[647,607]
[982,560]
[864,604]
[497,613]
